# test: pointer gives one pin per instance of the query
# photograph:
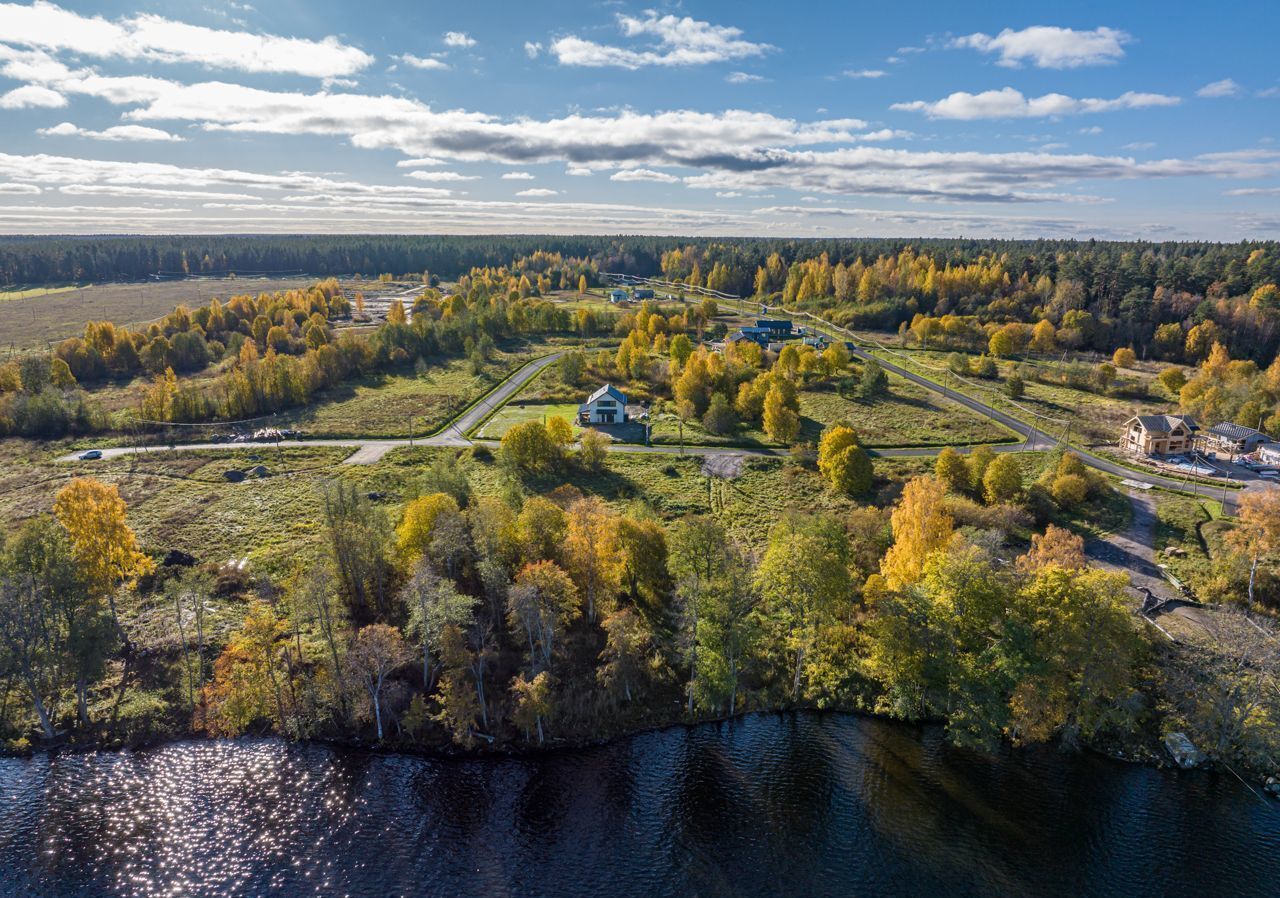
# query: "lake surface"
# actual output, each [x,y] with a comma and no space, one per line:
[788,805]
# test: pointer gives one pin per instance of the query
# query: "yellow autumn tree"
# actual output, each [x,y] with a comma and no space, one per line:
[591,553]
[104,545]
[781,421]
[417,527]
[395,313]
[921,525]
[1257,537]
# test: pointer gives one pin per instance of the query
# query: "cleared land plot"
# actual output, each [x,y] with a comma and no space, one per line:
[182,501]
[1095,419]
[908,415]
[376,405]
[36,320]
[388,405]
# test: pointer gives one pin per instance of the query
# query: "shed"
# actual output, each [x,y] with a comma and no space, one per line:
[619,295]
[1232,439]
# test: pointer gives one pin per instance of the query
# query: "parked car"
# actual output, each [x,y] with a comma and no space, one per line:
[91,455]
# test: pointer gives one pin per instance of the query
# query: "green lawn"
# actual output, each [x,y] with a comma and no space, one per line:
[519,411]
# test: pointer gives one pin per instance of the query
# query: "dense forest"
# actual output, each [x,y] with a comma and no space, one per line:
[1104,295]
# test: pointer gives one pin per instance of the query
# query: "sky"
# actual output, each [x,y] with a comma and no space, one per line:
[1032,119]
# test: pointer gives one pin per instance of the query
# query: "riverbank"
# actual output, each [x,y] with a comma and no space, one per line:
[1148,752]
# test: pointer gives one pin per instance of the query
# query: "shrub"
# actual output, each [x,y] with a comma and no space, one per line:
[1069,490]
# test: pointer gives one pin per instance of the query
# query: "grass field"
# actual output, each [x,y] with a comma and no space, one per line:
[376,405]
[909,415]
[34,321]
[1095,419]
[181,500]
[388,405]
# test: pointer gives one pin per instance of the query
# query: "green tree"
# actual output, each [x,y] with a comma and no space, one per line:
[529,447]
[952,470]
[1003,479]
[802,598]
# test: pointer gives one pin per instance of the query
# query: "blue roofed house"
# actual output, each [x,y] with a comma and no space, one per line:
[776,327]
[617,294]
[607,405]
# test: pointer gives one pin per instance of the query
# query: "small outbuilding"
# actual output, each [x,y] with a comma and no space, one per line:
[1232,439]
[619,295]
[1159,434]
[607,405]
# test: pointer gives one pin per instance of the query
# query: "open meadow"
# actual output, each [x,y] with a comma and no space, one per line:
[32,319]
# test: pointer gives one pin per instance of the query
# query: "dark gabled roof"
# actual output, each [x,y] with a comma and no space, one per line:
[1166,423]
[1230,431]
[774,324]
[608,390]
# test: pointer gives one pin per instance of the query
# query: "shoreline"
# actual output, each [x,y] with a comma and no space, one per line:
[1152,756]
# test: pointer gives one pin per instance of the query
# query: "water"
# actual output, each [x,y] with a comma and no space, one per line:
[802,805]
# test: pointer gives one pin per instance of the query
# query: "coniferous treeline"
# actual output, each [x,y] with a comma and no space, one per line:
[1101,267]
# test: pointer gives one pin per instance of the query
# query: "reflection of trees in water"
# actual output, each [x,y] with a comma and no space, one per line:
[768,805]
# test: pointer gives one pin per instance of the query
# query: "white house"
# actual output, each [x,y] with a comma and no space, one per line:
[607,405]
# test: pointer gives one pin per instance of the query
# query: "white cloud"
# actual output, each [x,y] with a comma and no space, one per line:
[744,78]
[458,39]
[675,42]
[1092,129]
[422,162]
[441,176]
[1268,92]
[19,189]
[517,176]
[972,176]
[1010,103]
[46,26]
[1050,47]
[423,62]
[118,132]
[32,95]
[578,171]
[537,191]
[532,49]
[128,190]
[644,174]
[1254,191]
[1224,88]
[731,138]
[864,73]
[1139,145]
